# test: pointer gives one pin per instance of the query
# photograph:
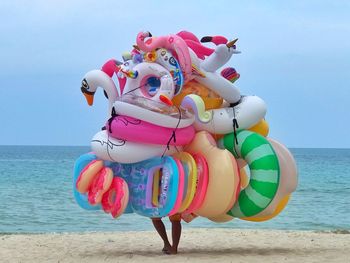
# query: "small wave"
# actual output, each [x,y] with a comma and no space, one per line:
[335,231]
[341,231]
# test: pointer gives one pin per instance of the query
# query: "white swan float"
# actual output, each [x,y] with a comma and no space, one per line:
[97,78]
[116,150]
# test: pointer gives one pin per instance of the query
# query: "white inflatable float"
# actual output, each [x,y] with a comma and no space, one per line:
[248,112]
[153,112]
[115,150]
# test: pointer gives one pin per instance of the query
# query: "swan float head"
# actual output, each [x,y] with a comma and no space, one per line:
[98,78]
[87,91]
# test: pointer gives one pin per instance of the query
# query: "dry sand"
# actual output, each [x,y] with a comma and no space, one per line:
[197,245]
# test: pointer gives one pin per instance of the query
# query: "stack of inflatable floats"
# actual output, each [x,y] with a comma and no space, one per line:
[180,138]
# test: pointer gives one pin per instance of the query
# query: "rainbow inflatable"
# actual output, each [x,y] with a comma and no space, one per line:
[180,138]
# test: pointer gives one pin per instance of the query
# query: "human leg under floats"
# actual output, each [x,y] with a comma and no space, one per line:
[159,226]
[176,232]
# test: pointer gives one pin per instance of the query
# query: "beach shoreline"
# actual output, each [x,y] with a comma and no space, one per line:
[196,245]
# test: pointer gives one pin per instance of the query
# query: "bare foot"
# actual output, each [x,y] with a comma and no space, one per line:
[166,249]
[171,251]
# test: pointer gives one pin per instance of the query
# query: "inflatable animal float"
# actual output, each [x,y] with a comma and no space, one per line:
[180,138]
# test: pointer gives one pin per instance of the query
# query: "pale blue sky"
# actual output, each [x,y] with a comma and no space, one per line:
[295,55]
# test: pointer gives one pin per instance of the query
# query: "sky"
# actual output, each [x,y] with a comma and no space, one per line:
[295,56]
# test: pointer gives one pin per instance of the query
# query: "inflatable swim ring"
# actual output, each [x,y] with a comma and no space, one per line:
[86,176]
[210,98]
[135,130]
[190,174]
[140,178]
[181,189]
[264,171]
[82,162]
[167,60]
[115,200]
[201,183]
[110,149]
[153,112]
[248,112]
[99,185]
[151,81]
[262,127]
[224,181]
[288,181]
[279,208]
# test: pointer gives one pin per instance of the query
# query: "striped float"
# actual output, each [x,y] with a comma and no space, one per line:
[264,172]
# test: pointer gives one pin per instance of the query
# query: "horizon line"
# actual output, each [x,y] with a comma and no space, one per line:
[49,145]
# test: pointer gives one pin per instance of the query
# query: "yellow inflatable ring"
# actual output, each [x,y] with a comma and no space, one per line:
[190,169]
[262,127]
[281,205]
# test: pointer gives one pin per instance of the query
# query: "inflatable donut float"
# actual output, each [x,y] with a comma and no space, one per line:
[115,200]
[264,171]
[99,185]
[87,175]
[82,164]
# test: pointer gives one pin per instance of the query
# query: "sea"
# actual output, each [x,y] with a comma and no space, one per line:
[36,195]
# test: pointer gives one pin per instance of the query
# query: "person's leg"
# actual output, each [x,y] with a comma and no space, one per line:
[159,226]
[176,232]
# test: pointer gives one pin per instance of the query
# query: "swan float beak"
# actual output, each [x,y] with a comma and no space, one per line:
[89,95]
[89,98]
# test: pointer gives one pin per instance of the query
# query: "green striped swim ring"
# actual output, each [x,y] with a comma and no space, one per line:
[264,172]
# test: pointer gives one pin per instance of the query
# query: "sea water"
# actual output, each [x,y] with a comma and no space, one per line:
[36,194]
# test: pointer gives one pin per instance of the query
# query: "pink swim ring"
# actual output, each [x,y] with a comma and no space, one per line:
[135,130]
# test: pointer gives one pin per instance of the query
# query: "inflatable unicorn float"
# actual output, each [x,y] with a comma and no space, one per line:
[180,138]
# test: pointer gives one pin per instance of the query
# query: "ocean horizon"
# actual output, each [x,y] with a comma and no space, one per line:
[87,146]
[37,197]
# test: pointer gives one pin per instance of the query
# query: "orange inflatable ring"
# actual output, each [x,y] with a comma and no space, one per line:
[224,181]
[210,98]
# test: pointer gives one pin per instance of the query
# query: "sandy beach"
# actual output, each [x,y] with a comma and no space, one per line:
[197,245]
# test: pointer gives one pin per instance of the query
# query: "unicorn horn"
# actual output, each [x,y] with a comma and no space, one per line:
[231,43]
[136,47]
